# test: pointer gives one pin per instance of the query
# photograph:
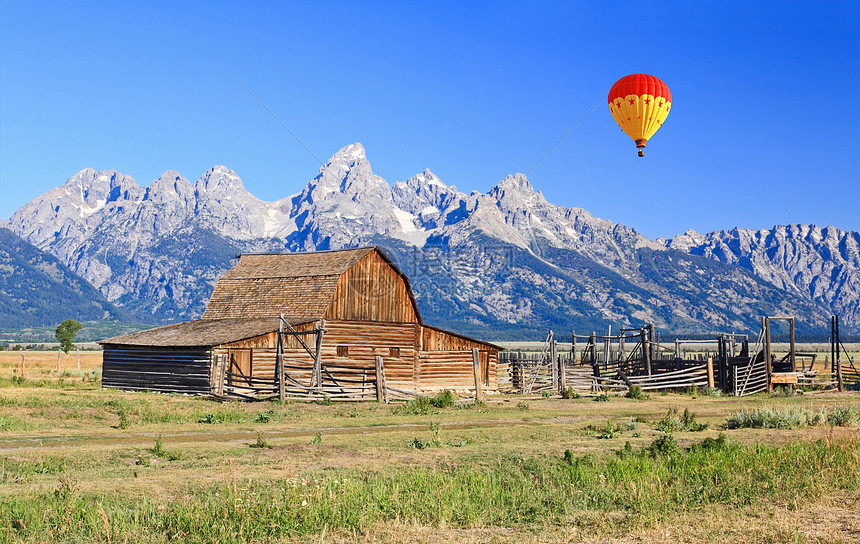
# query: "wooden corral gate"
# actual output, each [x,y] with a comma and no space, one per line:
[306,377]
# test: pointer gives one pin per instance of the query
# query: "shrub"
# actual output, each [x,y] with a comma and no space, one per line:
[635,392]
[603,397]
[159,451]
[522,406]
[709,443]
[672,422]
[664,446]
[209,418]
[419,406]
[569,393]
[768,418]
[264,417]
[124,422]
[260,443]
[841,416]
[445,399]
[317,441]
[783,391]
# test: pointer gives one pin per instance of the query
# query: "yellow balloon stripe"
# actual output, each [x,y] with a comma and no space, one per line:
[640,116]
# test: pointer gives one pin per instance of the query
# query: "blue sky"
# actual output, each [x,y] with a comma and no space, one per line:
[762,129]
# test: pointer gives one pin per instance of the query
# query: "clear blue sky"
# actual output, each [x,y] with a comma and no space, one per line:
[763,128]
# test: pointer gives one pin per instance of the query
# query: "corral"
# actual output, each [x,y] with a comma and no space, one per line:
[631,358]
[337,324]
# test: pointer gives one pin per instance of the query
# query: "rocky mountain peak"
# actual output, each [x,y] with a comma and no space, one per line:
[170,186]
[220,182]
[515,191]
[424,194]
[346,173]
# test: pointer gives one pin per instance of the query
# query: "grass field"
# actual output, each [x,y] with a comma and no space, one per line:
[83,464]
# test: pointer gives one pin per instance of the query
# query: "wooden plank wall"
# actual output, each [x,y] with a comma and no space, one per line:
[372,291]
[367,340]
[453,369]
[168,370]
[447,366]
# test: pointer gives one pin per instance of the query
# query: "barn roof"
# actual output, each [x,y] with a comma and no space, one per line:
[202,333]
[297,284]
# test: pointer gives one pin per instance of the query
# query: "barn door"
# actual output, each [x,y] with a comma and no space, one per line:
[484,359]
[240,366]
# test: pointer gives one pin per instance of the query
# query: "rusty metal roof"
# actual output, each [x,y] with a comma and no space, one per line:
[202,333]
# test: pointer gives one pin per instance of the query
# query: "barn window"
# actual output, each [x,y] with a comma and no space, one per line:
[394,353]
[343,351]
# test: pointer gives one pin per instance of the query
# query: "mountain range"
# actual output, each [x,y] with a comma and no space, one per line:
[501,264]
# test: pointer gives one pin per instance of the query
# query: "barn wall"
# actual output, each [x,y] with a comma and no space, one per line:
[372,290]
[168,370]
[366,340]
[433,339]
[454,369]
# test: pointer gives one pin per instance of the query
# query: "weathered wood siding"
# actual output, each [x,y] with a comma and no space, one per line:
[453,369]
[434,339]
[372,290]
[168,370]
[366,340]
[263,354]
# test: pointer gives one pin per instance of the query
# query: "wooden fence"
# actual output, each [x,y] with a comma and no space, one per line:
[530,373]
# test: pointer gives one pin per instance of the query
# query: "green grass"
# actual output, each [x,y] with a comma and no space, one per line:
[492,465]
[511,491]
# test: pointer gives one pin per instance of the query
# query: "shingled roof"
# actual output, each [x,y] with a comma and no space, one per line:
[267,284]
[202,333]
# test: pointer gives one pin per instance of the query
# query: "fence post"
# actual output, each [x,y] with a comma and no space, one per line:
[380,380]
[838,359]
[59,352]
[765,323]
[791,342]
[22,365]
[476,367]
[223,374]
[654,340]
[318,354]
[711,372]
[553,356]
[562,375]
[279,361]
[79,358]
[646,351]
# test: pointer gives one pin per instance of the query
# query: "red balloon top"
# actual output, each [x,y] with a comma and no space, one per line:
[639,84]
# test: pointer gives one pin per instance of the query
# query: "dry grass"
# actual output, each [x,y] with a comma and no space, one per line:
[71,436]
[43,365]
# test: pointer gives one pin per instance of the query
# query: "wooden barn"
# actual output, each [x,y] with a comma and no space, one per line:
[343,324]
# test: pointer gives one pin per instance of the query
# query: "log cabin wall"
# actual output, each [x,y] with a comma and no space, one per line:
[163,369]
[373,290]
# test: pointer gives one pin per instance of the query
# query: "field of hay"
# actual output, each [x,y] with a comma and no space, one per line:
[82,464]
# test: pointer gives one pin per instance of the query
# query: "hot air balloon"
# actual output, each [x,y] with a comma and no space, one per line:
[639,103]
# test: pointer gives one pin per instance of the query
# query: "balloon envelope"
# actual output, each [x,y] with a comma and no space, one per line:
[639,103]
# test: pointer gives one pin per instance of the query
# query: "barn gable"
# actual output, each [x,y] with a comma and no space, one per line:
[353,284]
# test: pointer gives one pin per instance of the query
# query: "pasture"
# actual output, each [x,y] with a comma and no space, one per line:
[83,464]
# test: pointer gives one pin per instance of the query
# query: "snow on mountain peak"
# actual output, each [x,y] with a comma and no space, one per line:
[220,182]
